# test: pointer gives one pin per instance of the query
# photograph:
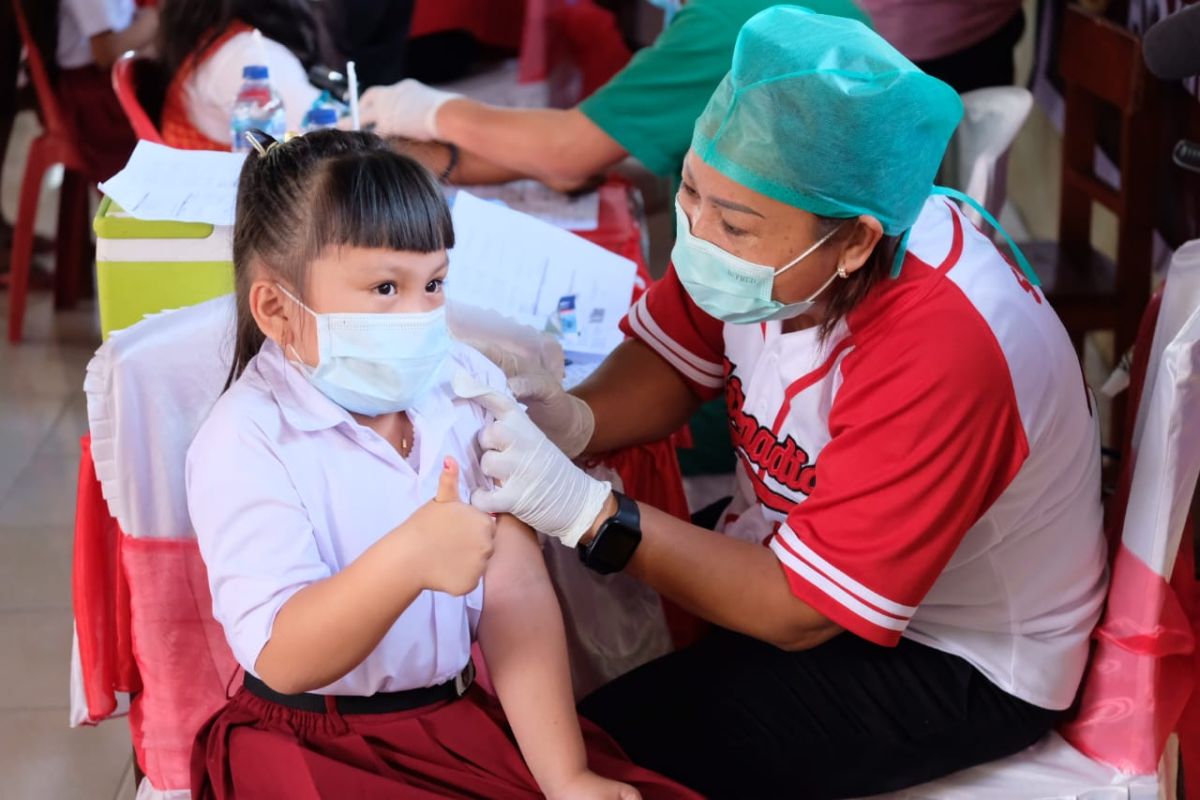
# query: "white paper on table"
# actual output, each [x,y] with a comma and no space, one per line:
[163,183]
[521,267]
[579,213]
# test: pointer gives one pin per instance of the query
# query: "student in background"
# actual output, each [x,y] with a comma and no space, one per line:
[204,44]
[92,34]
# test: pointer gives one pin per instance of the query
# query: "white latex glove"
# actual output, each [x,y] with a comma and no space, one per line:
[408,109]
[563,417]
[538,484]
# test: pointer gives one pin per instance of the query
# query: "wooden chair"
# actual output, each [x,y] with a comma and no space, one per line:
[55,145]
[1103,73]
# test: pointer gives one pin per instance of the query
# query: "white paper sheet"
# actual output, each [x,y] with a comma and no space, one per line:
[580,213]
[162,183]
[522,267]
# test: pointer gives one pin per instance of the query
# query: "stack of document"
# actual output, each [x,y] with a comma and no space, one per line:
[539,275]
[162,183]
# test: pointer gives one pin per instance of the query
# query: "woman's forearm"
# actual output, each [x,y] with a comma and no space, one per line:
[635,397]
[523,640]
[328,628]
[561,148]
[471,169]
[729,582]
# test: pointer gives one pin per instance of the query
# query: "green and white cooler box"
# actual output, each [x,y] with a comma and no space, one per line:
[144,266]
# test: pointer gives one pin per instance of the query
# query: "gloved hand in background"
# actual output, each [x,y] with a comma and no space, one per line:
[537,482]
[407,109]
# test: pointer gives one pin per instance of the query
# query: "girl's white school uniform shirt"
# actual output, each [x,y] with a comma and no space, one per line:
[931,471]
[285,489]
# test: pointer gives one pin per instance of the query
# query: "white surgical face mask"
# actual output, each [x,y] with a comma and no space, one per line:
[731,288]
[373,364]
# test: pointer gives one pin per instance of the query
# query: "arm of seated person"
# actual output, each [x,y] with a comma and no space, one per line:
[329,627]
[524,642]
[471,169]
[108,46]
[562,148]
[729,582]
[633,378]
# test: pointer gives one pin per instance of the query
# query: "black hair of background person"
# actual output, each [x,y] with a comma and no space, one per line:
[373,34]
[188,27]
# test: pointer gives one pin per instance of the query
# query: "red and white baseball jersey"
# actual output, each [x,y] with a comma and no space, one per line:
[931,470]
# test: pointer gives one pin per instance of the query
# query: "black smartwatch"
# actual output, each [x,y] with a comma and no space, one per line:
[618,537]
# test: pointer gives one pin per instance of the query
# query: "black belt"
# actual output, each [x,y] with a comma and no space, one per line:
[381,703]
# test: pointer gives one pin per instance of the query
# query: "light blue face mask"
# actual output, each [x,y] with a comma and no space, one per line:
[373,364]
[731,288]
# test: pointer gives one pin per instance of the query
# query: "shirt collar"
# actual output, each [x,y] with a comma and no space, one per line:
[306,408]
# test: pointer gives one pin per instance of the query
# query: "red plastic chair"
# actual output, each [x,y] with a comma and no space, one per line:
[125,86]
[55,145]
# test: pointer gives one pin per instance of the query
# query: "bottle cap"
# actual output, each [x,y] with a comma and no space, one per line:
[323,115]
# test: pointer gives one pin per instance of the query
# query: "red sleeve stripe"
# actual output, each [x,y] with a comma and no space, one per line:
[702,372]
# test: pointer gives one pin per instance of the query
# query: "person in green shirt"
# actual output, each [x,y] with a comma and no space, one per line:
[647,110]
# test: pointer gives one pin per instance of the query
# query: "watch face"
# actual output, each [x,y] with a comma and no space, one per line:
[614,547]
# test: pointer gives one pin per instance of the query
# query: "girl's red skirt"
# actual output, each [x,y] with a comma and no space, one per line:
[254,748]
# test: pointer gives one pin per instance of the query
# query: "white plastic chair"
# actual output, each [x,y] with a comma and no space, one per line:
[976,160]
[1128,692]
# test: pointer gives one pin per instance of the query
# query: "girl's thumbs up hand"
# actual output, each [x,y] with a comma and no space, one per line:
[452,541]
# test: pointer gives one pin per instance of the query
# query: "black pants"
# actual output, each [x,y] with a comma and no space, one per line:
[735,718]
[985,63]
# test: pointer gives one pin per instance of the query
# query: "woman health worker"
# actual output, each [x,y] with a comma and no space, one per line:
[906,580]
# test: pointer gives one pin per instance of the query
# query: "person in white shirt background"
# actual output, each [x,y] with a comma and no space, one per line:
[906,580]
[326,489]
[204,44]
[92,34]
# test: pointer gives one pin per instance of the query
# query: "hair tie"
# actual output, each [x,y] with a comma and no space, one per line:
[257,137]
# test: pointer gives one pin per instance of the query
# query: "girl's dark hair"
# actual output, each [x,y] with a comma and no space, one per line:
[188,28]
[845,295]
[325,189]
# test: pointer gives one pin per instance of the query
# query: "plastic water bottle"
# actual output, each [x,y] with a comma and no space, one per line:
[319,118]
[257,106]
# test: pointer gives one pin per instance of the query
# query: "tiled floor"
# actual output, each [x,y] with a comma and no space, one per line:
[42,415]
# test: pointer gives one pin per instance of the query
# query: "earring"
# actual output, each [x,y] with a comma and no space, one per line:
[841,271]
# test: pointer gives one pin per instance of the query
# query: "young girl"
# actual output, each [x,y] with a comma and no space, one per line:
[325,489]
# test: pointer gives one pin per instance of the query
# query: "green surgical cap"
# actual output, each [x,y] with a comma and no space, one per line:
[821,113]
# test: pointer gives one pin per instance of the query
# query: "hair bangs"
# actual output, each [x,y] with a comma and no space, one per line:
[379,200]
